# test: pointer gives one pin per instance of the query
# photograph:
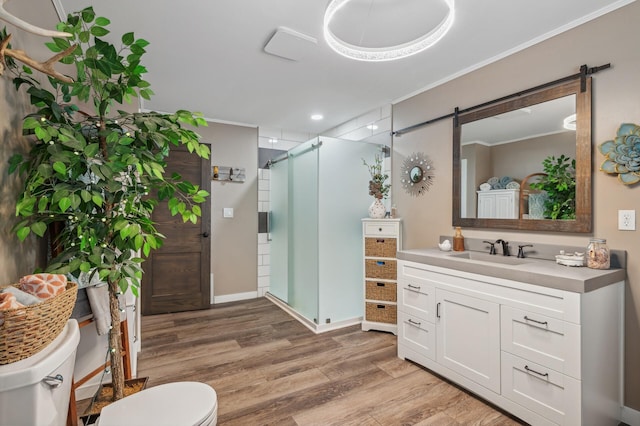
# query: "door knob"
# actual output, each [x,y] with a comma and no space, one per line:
[205,234]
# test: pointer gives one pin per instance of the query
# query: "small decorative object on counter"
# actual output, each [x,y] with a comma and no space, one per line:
[394,212]
[445,245]
[568,259]
[598,254]
[458,240]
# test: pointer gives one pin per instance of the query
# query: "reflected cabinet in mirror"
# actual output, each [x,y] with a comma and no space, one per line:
[526,163]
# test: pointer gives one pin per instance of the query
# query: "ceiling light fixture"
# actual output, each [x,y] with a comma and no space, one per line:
[372,127]
[390,53]
[317,117]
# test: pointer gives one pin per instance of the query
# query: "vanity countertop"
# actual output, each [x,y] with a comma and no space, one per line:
[545,273]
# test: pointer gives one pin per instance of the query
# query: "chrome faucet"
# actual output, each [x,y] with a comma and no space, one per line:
[505,247]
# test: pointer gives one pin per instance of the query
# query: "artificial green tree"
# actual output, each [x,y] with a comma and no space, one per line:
[101,172]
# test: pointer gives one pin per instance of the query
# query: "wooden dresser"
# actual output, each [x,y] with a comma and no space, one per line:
[381,241]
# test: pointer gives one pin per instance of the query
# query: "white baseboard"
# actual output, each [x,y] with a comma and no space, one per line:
[235,297]
[630,416]
[316,328]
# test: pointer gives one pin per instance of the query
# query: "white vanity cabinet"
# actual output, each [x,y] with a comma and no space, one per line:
[498,204]
[546,355]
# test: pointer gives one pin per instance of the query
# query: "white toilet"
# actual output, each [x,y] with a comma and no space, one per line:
[35,390]
[172,404]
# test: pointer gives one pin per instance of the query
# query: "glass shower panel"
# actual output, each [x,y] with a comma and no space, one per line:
[344,200]
[303,218]
[279,229]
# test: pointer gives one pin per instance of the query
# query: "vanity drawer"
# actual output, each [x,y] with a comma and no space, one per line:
[381,312]
[383,269]
[380,247]
[417,334]
[376,229]
[380,291]
[417,298]
[542,390]
[547,341]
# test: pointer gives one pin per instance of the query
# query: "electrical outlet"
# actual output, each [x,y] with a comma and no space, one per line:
[626,220]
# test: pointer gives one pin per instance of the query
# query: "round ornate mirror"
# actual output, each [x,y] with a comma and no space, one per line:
[417,174]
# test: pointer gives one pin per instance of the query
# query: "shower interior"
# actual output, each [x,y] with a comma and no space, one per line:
[319,195]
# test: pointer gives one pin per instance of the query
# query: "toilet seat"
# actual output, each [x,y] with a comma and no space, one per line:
[180,403]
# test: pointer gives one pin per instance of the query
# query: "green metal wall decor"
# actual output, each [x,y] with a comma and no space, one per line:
[623,154]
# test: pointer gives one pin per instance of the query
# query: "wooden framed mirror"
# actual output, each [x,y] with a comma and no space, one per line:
[509,141]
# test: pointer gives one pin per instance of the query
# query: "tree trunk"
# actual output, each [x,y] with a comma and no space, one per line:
[115,343]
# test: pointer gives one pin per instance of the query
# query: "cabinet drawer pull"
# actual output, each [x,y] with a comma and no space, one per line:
[413,287]
[530,370]
[410,321]
[380,263]
[381,306]
[380,284]
[526,318]
[438,310]
[380,240]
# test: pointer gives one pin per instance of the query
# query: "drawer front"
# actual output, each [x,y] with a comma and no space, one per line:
[417,334]
[380,247]
[381,312]
[381,291]
[542,390]
[547,341]
[417,298]
[388,229]
[383,269]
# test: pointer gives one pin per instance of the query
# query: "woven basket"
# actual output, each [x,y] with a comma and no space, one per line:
[380,247]
[383,269]
[381,312]
[28,330]
[380,291]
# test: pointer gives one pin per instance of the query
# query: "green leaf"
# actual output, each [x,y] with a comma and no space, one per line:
[64,204]
[43,202]
[23,233]
[127,39]
[30,123]
[39,228]
[102,21]
[60,167]
[91,150]
[99,31]
[97,199]
[85,267]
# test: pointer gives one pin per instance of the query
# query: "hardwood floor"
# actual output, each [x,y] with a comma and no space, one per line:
[268,369]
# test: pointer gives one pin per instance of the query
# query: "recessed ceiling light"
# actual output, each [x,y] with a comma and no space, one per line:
[273,140]
[372,127]
[317,117]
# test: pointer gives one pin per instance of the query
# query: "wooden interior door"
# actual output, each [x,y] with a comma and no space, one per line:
[176,276]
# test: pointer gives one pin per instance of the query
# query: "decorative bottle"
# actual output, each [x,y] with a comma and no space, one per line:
[458,240]
[598,254]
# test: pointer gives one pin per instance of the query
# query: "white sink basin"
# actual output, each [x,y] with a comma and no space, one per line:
[484,257]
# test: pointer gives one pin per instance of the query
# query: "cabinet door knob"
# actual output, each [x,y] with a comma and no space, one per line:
[205,234]
[380,229]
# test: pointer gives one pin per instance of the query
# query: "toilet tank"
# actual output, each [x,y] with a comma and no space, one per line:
[35,391]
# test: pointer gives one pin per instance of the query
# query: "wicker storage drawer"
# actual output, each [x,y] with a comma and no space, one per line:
[384,269]
[381,291]
[380,247]
[381,312]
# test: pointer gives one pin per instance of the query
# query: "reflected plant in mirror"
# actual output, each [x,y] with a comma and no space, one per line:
[559,185]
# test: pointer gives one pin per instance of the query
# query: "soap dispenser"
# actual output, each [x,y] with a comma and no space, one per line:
[458,240]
